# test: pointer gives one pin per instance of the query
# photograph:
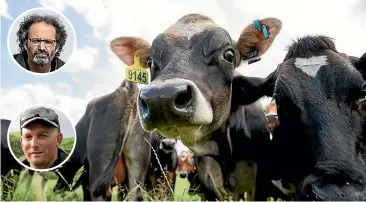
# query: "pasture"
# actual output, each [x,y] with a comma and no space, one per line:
[22,193]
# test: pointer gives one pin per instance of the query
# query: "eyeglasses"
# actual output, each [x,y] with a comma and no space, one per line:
[37,42]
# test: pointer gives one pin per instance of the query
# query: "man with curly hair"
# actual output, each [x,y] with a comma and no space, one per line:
[41,39]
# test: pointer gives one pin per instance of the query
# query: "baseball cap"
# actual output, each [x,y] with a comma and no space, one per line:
[39,113]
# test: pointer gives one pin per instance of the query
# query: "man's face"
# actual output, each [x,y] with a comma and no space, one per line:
[39,144]
[44,52]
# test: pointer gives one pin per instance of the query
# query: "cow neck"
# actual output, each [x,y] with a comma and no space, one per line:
[131,87]
[129,114]
[132,105]
[222,139]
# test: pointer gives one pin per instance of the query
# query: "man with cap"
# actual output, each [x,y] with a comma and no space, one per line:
[41,138]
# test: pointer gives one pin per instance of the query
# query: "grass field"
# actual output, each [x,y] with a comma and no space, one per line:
[66,145]
[32,194]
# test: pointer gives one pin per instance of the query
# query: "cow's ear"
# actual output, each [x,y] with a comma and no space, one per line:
[246,90]
[127,47]
[254,41]
[361,65]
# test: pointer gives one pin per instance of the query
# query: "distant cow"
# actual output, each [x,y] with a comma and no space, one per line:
[192,97]
[110,142]
[186,165]
[187,169]
[318,91]
[168,160]
[7,160]
[271,116]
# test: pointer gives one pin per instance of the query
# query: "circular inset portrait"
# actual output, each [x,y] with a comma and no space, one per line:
[41,41]
[41,138]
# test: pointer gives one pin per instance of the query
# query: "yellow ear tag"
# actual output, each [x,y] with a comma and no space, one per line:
[136,73]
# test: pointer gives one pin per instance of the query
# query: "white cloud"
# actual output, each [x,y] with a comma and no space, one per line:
[83,59]
[125,18]
[110,19]
[15,99]
[4,10]
[73,107]
[95,13]
[63,88]
[107,78]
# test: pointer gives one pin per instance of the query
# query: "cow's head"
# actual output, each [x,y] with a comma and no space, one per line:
[317,91]
[272,116]
[167,144]
[192,68]
[186,164]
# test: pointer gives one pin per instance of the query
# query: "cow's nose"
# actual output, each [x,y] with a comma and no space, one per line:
[159,102]
[183,175]
[168,144]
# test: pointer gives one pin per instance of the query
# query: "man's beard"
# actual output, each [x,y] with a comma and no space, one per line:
[42,57]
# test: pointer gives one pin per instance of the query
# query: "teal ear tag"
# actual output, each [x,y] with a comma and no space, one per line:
[265,32]
[257,24]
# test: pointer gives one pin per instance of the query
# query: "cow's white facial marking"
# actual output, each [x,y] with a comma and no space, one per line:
[188,29]
[311,65]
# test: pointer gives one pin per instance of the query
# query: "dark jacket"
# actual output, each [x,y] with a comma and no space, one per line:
[56,63]
[61,156]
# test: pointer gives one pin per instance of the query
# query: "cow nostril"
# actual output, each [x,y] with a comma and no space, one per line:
[183,98]
[144,108]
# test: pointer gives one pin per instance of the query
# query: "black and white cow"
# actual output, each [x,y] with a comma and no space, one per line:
[318,92]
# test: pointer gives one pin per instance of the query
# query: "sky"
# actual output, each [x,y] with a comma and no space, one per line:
[94,70]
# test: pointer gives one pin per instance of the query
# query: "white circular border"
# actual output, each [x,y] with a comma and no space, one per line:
[22,15]
[48,169]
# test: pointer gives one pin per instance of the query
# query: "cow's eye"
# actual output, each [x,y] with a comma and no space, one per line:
[149,62]
[229,55]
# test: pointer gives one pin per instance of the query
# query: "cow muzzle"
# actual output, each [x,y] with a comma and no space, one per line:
[319,190]
[172,103]
[167,145]
[183,175]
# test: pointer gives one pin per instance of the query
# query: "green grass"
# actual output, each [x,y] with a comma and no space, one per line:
[181,190]
[34,193]
[66,145]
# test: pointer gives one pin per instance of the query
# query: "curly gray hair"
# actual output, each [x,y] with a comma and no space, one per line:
[23,31]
